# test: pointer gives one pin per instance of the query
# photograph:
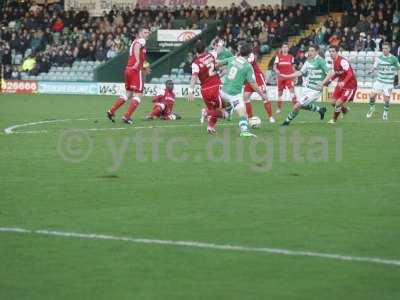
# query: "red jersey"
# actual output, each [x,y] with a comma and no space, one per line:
[142,53]
[204,67]
[344,72]
[284,63]
[257,71]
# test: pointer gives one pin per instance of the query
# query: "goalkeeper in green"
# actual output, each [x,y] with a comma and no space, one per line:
[239,70]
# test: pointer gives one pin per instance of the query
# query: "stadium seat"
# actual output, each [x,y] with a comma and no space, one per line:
[345,53]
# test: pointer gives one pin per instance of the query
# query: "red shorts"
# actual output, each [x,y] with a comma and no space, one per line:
[285,83]
[344,95]
[134,80]
[211,97]
[260,82]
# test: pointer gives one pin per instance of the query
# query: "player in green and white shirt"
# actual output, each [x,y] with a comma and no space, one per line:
[239,70]
[387,66]
[313,71]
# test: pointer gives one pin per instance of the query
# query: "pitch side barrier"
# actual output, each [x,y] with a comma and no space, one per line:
[116,89]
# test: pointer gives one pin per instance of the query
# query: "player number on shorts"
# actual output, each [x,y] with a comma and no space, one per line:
[232,73]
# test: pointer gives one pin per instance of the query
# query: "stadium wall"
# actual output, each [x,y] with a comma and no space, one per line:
[115,89]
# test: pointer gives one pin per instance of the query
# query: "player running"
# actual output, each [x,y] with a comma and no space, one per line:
[134,78]
[239,71]
[346,87]
[387,66]
[204,69]
[284,65]
[248,90]
[164,104]
[314,71]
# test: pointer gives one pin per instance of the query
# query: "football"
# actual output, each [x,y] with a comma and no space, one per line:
[255,122]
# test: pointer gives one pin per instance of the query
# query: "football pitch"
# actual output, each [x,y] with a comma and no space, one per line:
[161,210]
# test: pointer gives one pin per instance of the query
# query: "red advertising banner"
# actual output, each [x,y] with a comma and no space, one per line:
[20,86]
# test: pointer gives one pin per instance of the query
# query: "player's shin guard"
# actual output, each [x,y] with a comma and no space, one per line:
[336,112]
[386,106]
[243,124]
[311,107]
[372,102]
[249,109]
[268,108]
[291,116]
[117,104]
[132,107]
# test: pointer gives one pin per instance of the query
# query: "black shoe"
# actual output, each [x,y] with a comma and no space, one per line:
[286,123]
[177,116]
[128,121]
[110,116]
[322,112]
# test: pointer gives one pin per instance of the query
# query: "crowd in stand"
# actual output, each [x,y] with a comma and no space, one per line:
[35,37]
[364,26]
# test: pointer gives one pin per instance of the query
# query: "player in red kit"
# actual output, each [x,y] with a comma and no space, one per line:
[164,104]
[135,72]
[284,65]
[248,90]
[346,87]
[204,69]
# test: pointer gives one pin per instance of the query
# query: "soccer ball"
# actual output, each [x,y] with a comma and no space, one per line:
[255,122]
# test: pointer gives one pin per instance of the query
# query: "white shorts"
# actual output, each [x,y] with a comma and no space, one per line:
[382,88]
[309,96]
[233,100]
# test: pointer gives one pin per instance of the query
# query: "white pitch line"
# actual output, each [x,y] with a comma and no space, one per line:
[10,130]
[202,245]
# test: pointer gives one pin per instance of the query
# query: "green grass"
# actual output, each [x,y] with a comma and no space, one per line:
[347,207]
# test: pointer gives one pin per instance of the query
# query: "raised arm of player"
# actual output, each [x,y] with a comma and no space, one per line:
[331,76]
[136,52]
[195,76]
[275,68]
[291,76]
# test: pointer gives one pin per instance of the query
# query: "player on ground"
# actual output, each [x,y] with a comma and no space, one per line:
[248,90]
[346,87]
[164,104]
[204,69]
[239,71]
[387,66]
[134,78]
[284,65]
[314,71]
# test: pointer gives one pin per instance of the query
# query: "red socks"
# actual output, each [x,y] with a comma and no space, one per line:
[268,108]
[131,108]
[212,117]
[117,104]
[249,109]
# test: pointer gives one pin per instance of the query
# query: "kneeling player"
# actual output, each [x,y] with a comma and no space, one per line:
[164,103]
[387,66]
[314,71]
[346,87]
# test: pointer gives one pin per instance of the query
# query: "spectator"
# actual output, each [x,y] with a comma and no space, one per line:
[29,63]
[370,44]
[58,25]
